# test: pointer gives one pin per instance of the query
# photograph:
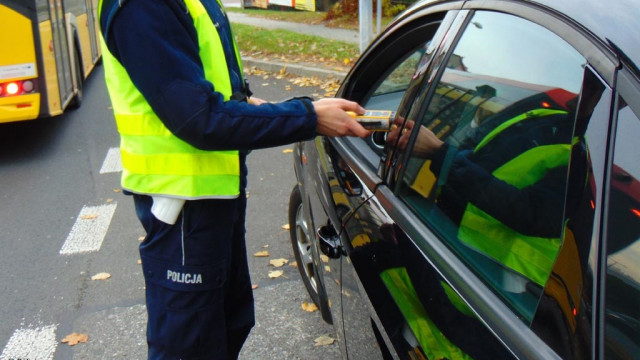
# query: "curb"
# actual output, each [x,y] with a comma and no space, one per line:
[296,69]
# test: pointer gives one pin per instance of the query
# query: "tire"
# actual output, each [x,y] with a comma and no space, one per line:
[302,245]
[77,99]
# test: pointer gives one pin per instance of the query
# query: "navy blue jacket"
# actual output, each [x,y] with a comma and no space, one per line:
[156,42]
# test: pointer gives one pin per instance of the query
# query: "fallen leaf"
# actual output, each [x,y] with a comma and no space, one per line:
[75,339]
[141,238]
[139,262]
[89,217]
[327,268]
[117,190]
[294,264]
[278,262]
[286,227]
[309,307]
[254,286]
[109,200]
[287,151]
[263,253]
[101,276]
[265,246]
[275,274]
[323,340]
[324,258]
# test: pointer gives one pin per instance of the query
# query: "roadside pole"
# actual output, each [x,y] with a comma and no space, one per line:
[365,17]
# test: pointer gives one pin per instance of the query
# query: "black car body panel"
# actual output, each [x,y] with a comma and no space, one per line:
[396,278]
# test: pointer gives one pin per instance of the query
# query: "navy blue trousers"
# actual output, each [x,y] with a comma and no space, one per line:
[198,290]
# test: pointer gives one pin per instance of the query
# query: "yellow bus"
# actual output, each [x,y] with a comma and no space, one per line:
[47,49]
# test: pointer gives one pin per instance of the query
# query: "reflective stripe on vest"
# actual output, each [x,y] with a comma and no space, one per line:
[530,256]
[155,161]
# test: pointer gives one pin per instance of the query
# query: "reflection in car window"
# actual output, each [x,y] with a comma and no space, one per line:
[390,90]
[488,165]
[623,242]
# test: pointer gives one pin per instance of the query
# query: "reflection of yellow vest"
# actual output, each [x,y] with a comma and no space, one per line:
[530,256]
[432,341]
[155,161]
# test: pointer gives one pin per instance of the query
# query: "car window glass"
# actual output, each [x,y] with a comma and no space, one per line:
[489,154]
[397,81]
[390,90]
[563,315]
[622,312]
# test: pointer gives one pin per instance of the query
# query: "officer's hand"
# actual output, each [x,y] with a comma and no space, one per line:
[256,101]
[334,121]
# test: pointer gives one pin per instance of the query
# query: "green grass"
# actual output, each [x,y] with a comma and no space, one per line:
[291,46]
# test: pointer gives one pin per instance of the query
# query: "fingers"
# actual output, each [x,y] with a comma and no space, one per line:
[333,119]
[343,104]
[256,101]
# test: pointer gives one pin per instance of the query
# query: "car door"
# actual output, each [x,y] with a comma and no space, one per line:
[435,291]
[380,80]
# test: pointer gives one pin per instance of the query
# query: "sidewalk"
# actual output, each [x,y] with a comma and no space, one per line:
[350,36]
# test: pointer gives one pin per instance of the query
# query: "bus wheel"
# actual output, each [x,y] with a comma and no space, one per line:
[77,99]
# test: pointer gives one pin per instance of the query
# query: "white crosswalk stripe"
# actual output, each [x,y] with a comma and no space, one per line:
[112,162]
[31,343]
[89,230]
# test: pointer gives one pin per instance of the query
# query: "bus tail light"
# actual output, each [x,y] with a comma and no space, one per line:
[27,86]
[17,88]
[12,88]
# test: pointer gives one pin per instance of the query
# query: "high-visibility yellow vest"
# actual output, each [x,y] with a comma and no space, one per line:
[530,256]
[156,162]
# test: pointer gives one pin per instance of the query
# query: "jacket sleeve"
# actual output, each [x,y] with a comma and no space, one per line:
[156,42]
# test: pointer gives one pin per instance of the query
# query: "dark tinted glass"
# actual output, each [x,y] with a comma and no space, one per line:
[622,313]
[564,312]
[489,157]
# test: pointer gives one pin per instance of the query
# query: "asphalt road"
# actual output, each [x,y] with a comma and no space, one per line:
[56,178]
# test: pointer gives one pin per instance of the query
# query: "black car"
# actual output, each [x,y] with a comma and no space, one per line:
[500,216]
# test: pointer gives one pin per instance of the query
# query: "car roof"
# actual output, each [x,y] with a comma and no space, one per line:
[616,23]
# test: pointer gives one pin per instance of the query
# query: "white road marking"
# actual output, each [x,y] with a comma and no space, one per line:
[89,230]
[31,343]
[112,162]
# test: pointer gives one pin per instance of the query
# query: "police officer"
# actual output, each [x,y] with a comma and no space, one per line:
[186,123]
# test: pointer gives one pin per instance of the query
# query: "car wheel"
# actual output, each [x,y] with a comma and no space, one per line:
[302,245]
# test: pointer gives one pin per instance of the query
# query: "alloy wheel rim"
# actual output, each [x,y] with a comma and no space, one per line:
[303,241]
